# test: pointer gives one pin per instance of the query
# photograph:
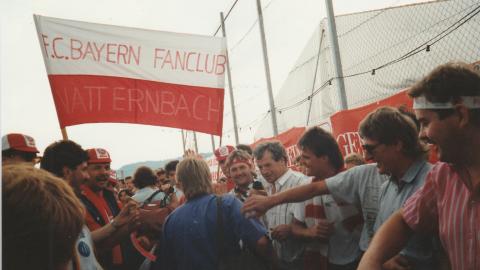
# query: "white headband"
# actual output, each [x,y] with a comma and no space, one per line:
[471,102]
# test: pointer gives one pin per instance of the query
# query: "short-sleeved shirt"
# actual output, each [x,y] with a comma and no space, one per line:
[144,193]
[445,205]
[190,233]
[359,186]
[392,198]
[289,251]
[342,247]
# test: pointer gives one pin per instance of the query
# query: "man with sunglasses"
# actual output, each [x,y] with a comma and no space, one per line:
[447,105]
[390,139]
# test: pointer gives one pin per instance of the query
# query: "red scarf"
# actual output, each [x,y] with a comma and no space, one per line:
[99,202]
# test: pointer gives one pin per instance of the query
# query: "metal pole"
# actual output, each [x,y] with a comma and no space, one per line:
[183,141]
[315,76]
[267,69]
[232,101]
[195,140]
[336,56]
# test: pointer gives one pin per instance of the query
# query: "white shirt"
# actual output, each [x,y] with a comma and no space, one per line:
[342,247]
[290,249]
[144,193]
[84,252]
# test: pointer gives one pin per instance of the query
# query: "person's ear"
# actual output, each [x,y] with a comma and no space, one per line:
[463,115]
[66,172]
[399,146]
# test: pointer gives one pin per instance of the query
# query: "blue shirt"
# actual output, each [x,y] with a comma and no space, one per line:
[189,234]
[392,198]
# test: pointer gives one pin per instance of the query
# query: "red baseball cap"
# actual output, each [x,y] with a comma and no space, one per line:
[222,152]
[19,142]
[98,155]
[113,177]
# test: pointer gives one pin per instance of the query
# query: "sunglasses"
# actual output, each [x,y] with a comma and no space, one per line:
[369,148]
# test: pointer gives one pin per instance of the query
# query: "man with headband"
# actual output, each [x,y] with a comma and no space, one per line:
[447,104]
[241,170]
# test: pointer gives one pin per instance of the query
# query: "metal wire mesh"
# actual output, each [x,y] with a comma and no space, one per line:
[382,52]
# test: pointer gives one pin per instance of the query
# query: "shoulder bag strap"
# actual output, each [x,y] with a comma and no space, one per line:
[149,199]
[220,232]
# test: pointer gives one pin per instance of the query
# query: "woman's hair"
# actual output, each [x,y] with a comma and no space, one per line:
[144,177]
[42,219]
[194,177]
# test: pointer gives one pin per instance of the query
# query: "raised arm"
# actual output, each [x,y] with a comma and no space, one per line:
[257,205]
[392,236]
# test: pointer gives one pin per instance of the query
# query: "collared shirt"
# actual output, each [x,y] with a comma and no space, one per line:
[359,186]
[290,250]
[392,196]
[445,205]
[189,233]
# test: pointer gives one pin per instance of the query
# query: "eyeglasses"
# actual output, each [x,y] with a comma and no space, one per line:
[369,148]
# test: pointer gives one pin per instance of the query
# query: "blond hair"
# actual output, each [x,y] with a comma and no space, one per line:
[42,219]
[195,178]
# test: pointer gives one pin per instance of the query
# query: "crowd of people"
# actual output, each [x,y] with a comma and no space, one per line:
[388,209]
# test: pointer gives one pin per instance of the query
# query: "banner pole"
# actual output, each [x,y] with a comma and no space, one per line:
[229,76]
[64,133]
[195,141]
[183,142]
[213,143]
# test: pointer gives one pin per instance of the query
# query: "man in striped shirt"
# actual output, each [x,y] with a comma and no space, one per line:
[447,104]
[331,228]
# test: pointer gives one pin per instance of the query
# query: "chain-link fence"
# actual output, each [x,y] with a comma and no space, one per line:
[382,52]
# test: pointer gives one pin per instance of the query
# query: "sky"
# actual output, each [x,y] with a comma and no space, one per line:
[27,104]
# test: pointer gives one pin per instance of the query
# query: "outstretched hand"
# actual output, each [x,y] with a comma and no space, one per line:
[257,205]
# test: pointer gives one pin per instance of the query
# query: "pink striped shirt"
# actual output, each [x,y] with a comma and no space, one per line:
[445,205]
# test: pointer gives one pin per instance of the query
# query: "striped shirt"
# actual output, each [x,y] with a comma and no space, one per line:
[342,246]
[445,205]
[289,251]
